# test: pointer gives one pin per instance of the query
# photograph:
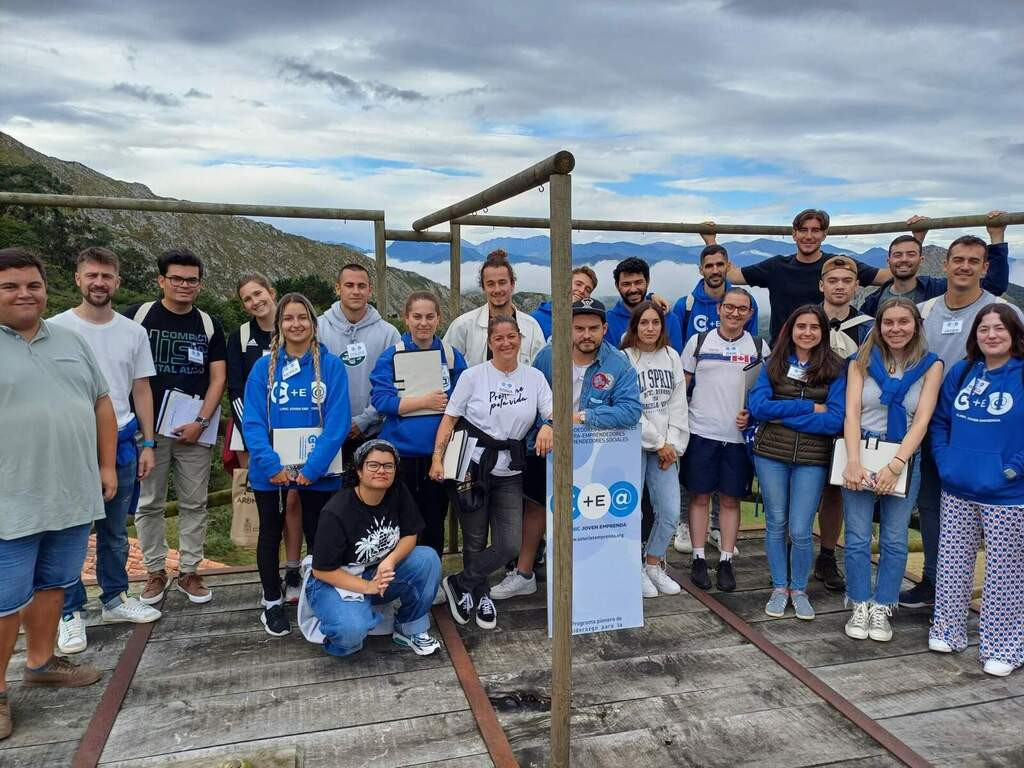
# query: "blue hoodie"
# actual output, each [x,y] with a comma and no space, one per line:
[976,435]
[618,323]
[613,401]
[704,314]
[798,414]
[411,435]
[543,317]
[292,405]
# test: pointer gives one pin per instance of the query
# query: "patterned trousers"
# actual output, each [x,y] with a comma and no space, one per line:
[962,524]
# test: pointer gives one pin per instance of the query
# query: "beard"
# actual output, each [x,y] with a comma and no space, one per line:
[97,299]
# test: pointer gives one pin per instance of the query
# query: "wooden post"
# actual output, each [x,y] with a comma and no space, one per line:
[380,244]
[454,305]
[560,191]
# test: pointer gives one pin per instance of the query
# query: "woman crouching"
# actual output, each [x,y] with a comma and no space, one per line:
[366,556]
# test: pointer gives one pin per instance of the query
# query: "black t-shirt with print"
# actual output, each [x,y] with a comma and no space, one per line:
[792,283]
[181,351]
[351,532]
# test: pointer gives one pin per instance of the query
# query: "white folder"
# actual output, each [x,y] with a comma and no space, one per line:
[458,454]
[293,445]
[418,372]
[874,454]
[178,409]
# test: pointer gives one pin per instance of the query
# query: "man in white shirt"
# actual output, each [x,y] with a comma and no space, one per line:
[468,332]
[122,350]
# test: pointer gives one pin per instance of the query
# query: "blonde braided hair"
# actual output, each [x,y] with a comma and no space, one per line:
[277,344]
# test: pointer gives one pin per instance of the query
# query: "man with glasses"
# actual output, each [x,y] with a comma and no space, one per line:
[189,353]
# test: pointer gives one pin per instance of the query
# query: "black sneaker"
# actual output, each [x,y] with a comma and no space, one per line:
[921,595]
[826,570]
[459,603]
[486,613]
[275,621]
[699,573]
[725,578]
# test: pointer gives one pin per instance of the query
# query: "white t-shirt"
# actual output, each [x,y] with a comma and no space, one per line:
[721,384]
[578,372]
[504,405]
[122,350]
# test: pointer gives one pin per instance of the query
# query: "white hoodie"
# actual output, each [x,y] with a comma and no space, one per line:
[663,397]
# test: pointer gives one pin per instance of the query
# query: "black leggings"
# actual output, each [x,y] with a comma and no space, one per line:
[270,505]
[431,498]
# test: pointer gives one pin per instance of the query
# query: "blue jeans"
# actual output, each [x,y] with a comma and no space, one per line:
[345,623]
[791,495]
[858,511]
[663,487]
[46,560]
[111,546]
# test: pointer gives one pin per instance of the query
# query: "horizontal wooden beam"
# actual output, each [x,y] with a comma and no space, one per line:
[411,235]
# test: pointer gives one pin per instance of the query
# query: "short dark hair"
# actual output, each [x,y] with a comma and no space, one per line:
[632,266]
[495,260]
[970,240]
[183,257]
[21,258]
[811,213]
[905,239]
[99,255]
[497,320]
[356,267]
[1009,319]
[710,250]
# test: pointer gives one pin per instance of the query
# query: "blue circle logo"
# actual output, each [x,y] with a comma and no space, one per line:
[624,498]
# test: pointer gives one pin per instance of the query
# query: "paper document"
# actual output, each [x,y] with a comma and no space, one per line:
[237,444]
[457,455]
[293,445]
[418,372]
[874,454]
[179,409]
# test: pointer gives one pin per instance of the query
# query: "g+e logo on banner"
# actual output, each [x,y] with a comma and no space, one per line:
[594,500]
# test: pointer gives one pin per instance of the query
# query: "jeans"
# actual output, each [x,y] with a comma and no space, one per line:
[431,497]
[270,505]
[111,546]
[858,511]
[663,487]
[791,495]
[503,514]
[345,623]
[45,560]
[928,508]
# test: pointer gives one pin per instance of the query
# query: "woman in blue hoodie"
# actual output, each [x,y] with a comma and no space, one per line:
[978,441]
[800,399]
[413,435]
[299,384]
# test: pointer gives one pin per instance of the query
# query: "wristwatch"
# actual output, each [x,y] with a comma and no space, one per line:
[149,443]
[204,422]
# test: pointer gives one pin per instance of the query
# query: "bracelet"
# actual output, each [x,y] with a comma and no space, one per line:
[889,467]
[901,461]
[148,443]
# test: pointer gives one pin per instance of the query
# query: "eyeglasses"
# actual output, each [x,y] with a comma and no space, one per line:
[376,466]
[732,309]
[178,281]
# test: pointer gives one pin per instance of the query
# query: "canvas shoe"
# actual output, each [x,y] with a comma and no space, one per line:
[58,671]
[386,625]
[921,595]
[275,621]
[130,610]
[725,578]
[699,573]
[421,643]
[459,603]
[802,605]
[776,605]
[715,539]
[156,587]
[939,645]
[292,587]
[647,588]
[514,584]
[682,543]
[880,629]
[486,613]
[71,634]
[191,584]
[857,626]
[997,668]
[659,577]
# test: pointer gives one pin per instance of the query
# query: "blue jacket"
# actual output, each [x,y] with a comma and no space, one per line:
[292,405]
[613,402]
[543,317]
[704,313]
[798,414]
[618,322]
[976,435]
[411,435]
[995,281]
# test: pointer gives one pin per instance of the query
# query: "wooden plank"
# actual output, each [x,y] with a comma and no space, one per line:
[470,761]
[228,719]
[106,641]
[749,604]
[376,745]
[41,756]
[230,597]
[44,715]
[1007,757]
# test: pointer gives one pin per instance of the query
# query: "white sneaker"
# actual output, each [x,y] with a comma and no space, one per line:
[71,634]
[512,585]
[857,626]
[880,629]
[386,625]
[646,585]
[715,540]
[440,598]
[939,645]
[682,542]
[997,668]
[130,610]
[664,583]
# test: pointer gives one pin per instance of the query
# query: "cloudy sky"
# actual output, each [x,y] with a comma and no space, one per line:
[740,111]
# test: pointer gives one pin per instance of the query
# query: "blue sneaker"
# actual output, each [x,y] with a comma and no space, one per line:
[776,606]
[802,605]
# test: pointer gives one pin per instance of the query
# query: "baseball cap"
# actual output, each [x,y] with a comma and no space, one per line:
[839,262]
[588,306]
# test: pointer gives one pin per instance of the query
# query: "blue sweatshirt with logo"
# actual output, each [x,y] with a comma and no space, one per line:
[293,403]
[703,316]
[411,435]
[977,431]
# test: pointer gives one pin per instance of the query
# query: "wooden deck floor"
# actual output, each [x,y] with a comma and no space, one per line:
[687,689]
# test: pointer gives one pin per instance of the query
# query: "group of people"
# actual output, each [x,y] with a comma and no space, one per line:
[932,366]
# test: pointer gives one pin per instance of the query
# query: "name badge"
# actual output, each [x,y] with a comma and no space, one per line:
[980,385]
[506,387]
[446,379]
[290,369]
[731,351]
[356,352]
[195,355]
[796,372]
[952,326]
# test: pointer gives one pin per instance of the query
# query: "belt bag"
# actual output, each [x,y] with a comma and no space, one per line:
[874,454]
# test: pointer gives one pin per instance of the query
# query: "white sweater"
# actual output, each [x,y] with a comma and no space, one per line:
[468,334]
[663,397]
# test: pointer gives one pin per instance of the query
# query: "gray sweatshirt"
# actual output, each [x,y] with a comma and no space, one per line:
[358,345]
